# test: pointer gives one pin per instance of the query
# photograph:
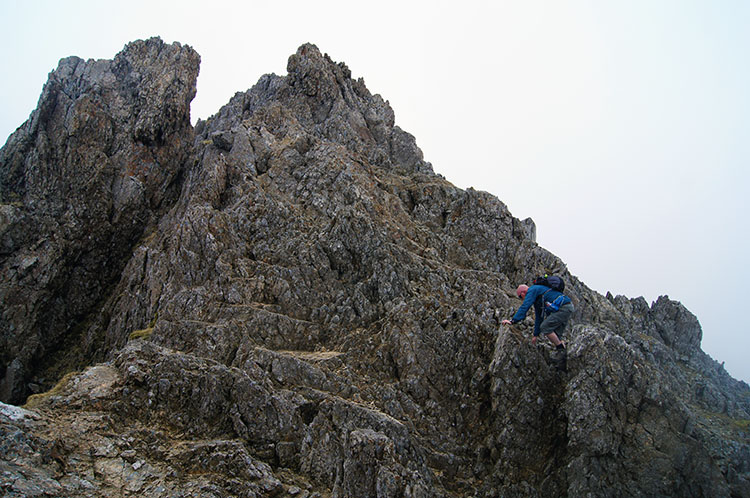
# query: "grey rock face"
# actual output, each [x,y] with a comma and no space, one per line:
[320,315]
[95,164]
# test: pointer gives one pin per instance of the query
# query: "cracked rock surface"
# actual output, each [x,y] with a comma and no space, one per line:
[286,300]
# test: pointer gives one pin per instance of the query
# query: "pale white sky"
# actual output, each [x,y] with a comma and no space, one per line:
[634,115]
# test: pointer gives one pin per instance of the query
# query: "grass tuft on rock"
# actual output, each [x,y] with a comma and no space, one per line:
[141,334]
[36,400]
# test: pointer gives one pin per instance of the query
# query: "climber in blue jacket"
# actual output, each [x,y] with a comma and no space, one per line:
[552,311]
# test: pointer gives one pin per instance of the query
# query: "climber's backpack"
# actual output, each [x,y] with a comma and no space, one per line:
[552,281]
[555,283]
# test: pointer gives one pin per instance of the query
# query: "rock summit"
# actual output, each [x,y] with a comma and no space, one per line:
[286,300]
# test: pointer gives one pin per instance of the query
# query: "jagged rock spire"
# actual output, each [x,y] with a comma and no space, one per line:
[95,164]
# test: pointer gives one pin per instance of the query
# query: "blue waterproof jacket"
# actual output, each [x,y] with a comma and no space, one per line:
[539,296]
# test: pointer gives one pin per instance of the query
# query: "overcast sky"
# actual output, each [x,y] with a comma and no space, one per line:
[621,127]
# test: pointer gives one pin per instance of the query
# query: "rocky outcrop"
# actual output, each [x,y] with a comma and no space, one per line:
[97,163]
[304,308]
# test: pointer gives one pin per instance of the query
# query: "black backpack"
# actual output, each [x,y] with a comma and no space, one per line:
[552,281]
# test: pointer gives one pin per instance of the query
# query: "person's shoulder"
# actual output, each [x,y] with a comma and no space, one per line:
[538,288]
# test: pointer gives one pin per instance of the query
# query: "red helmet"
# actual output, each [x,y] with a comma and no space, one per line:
[521,291]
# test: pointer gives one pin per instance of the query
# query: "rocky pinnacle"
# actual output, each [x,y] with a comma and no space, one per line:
[287,300]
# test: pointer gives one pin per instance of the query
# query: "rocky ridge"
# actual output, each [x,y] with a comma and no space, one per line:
[286,300]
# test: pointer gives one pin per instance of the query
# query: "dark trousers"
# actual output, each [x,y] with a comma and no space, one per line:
[557,321]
